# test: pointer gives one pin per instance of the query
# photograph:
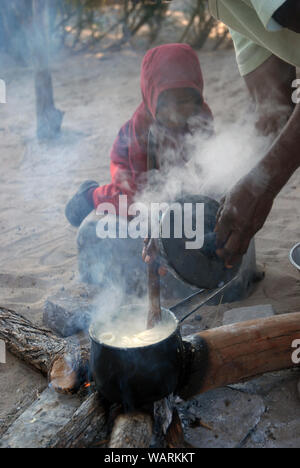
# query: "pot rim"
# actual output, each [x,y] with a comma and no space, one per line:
[168,311]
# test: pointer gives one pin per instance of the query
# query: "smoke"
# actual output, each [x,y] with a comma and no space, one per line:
[214,166]
[200,164]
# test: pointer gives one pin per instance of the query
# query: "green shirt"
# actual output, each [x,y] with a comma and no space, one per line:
[256,35]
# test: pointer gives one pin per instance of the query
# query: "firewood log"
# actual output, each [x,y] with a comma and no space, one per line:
[63,361]
[69,370]
[86,428]
[132,430]
[238,352]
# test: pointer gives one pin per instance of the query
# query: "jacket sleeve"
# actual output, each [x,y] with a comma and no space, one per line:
[123,177]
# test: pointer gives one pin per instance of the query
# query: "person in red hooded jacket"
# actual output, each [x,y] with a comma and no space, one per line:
[172,101]
[172,92]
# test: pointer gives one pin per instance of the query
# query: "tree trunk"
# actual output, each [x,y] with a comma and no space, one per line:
[49,119]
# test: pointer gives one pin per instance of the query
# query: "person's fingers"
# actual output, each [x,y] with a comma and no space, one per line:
[148,259]
[162,271]
[233,243]
[144,253]
[245,244]
[233,260]
[149,251]
[222,230]
[230,253]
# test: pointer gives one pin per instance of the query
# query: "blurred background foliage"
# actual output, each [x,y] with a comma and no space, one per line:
[110,24]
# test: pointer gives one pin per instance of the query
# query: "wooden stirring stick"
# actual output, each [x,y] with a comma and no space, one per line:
[154,313]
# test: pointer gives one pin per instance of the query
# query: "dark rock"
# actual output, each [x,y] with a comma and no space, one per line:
[198,317]
[69,311]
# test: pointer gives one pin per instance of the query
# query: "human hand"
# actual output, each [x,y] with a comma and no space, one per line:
[150,252]
[242,214]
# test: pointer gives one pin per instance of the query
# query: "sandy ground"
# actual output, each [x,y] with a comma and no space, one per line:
[38,250]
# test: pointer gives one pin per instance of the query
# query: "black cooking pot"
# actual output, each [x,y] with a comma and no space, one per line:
[201,268]
[141,375]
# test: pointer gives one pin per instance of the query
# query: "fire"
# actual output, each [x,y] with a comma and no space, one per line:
[87,385]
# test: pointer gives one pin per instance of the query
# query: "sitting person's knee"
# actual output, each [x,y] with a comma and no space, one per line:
[87,233]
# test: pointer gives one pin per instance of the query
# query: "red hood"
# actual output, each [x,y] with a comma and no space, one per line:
[167,67]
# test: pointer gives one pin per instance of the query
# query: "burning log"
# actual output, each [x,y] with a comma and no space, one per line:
[64,361]
[69,370]
[132,430]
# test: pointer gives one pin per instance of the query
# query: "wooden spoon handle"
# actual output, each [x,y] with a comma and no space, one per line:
[154,315]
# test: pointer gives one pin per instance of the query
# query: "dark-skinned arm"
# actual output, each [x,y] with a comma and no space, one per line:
[270,87]
[246,207]
[248,204]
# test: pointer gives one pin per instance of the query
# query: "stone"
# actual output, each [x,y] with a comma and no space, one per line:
[243,314]
[279,427]
[198,318]
[225,418]
[69,311]
[263,384]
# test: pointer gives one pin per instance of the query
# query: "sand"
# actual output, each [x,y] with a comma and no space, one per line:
[38,249]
